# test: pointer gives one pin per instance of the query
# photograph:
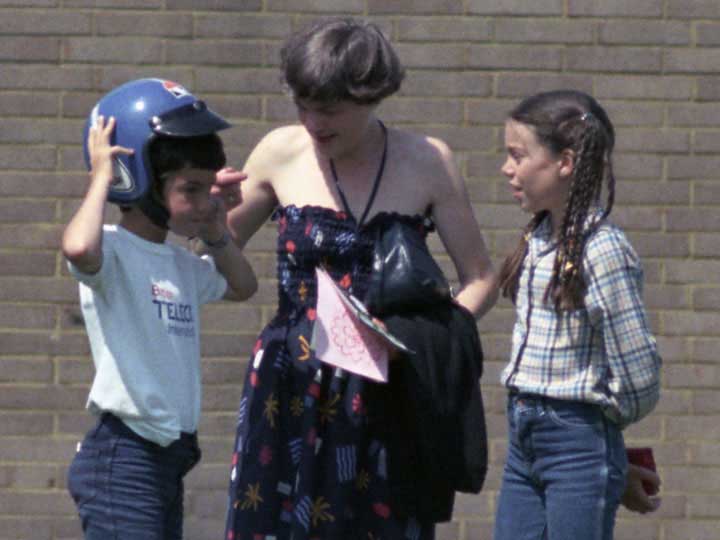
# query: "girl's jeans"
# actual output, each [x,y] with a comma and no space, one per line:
[565,472]
[126,487]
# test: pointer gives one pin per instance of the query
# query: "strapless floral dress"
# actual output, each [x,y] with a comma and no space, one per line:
[307,462]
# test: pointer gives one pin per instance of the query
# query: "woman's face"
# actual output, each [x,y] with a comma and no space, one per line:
[539,179]
[338,128]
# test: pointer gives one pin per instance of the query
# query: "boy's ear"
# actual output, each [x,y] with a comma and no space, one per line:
[567,163]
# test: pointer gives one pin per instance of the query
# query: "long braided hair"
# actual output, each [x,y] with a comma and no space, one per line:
[567,120]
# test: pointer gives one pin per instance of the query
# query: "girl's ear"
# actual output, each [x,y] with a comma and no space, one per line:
[567,163]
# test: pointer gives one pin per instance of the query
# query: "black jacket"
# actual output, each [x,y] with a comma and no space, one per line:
[433,419]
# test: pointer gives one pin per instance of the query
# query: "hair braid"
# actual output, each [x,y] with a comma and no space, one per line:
[567,285]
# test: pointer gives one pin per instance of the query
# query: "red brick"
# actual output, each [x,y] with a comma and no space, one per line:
[696,529]
[616,59]
[689,272]
[247,81]
[154,25]
[120,4]
[653,140]
[411,110]
[638,166]
[644,88]
[692,114]
[692,219]
[653,192]
[211,5]
[431,83]
[117,50]
[515,30]
[113,75]
[706,142]
[28,264]
[32,49]
[36,104]
[28,370]
[27,157]
[705,350]
[515,7]
[45,23]
[691,323]
[519,85]
[317,6]
[615,8]
[704,9]
[45,77]
[638,219]
[215,52]
[433,55]
[645,33]
[541,57]
[634,529]
[691,61]
[446,7]
[708,88]
[706,298]
[25,424]
[463,29]
[707,245]
[23,527]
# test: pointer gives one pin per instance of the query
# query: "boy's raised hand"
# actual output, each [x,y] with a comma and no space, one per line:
[101,151]
[82,239]
[227,186]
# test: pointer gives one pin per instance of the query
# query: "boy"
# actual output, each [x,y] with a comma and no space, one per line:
[140,299]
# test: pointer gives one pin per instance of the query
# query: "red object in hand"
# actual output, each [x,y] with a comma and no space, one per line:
[643,457]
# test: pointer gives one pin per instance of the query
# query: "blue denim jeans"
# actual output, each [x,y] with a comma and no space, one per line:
[565,472]
[126,487]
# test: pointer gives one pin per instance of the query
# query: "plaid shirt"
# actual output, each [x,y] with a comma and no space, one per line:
[602,353]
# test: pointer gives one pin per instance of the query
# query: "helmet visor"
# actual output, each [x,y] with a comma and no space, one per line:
[189,120]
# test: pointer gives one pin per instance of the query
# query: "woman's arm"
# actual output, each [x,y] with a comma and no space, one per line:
[258,197]
[460,233]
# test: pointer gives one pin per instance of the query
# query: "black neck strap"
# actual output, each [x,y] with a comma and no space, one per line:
[376,183]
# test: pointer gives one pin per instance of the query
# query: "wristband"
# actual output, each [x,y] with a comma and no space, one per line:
[224,240]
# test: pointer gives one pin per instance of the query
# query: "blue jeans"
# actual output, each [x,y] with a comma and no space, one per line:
[565,472]
[126,487]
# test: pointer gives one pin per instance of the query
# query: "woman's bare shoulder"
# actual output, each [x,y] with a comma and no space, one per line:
[282,142]
[422,149]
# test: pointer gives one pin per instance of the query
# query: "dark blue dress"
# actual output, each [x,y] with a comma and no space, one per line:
[307,462]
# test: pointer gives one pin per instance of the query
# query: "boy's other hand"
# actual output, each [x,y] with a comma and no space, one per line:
[227,186]
[101,151]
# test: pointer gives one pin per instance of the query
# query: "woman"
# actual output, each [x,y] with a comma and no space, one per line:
[307,461]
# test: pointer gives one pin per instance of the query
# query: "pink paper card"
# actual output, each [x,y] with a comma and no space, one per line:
[341,339]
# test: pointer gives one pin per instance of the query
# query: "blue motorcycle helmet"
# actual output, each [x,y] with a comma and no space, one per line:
[145,109]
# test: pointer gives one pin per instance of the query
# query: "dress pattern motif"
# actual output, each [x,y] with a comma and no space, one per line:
[306,464]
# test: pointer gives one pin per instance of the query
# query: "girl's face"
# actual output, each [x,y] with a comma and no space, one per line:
[539,179]
[337,129]
[187,197]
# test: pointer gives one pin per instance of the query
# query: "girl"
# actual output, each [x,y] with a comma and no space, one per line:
[308,459]
[584,364]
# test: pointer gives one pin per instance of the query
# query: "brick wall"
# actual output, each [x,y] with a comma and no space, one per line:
[655,65]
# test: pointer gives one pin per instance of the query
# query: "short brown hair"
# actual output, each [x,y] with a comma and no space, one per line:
[341,60]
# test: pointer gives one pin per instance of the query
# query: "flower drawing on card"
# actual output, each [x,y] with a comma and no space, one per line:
[348,338]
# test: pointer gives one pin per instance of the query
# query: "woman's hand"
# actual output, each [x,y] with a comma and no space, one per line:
[227,186]
[635,498]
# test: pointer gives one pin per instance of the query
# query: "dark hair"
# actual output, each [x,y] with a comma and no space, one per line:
[567,120]
[341,59]
[168,154]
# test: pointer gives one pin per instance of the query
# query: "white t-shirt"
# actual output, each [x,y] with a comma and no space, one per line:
[142,320]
